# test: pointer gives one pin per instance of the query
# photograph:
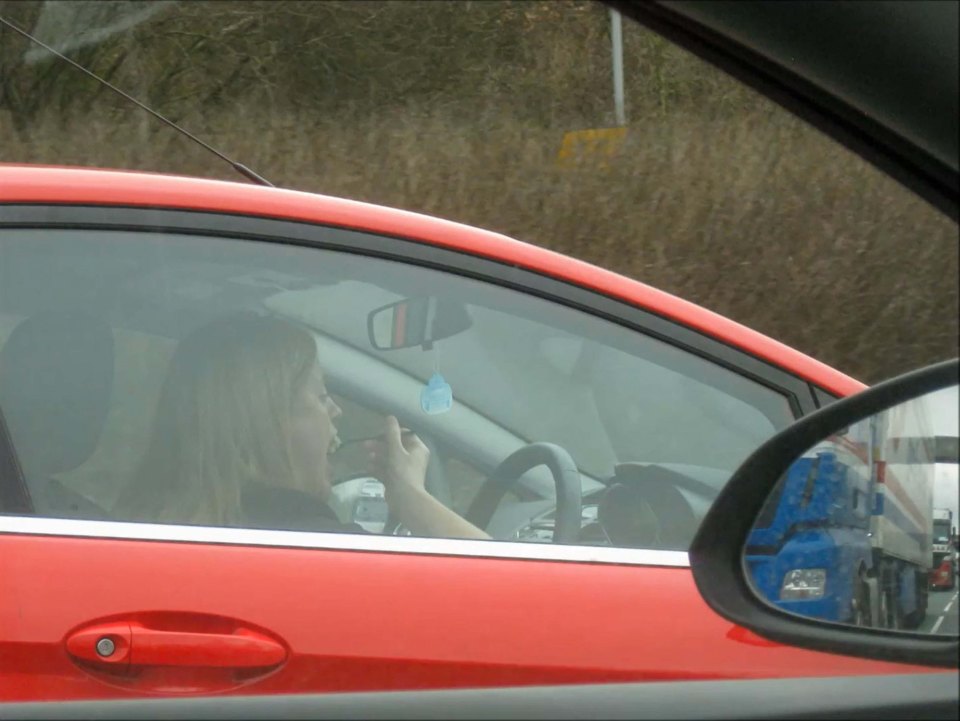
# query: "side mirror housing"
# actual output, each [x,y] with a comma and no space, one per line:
[824,537]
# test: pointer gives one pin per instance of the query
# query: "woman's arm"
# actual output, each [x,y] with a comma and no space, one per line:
[401,465]
[424,515]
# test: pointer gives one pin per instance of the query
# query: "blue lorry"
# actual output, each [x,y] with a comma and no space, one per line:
[847,534]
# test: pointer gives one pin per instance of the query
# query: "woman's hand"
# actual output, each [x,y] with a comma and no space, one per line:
[400,460]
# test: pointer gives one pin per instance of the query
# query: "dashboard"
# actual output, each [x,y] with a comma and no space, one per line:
[653,506]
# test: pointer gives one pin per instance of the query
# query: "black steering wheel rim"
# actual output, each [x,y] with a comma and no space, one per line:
[566,479]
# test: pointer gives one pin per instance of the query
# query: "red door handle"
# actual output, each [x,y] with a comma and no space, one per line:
[134,643]
[241,649]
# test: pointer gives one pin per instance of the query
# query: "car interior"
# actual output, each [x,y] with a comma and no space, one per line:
[522,370]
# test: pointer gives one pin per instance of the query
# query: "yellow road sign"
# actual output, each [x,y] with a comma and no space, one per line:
[602,143]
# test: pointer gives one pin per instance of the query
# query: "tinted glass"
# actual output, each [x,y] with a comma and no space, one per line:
[91,321]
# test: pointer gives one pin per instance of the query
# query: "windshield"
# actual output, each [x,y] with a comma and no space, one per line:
[547,372]
[941,531]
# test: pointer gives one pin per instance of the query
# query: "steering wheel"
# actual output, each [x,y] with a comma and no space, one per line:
[566,478]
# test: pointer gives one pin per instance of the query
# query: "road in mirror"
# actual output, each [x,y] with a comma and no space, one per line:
[862,529]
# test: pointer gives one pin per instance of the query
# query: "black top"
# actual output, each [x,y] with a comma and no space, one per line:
[285,509]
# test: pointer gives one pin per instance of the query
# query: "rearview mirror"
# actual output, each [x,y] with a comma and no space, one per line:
[416,322]
[837,532]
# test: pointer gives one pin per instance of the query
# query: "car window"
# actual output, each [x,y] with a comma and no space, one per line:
[96,327]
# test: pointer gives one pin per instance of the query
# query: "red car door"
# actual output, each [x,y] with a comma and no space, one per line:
[342,620]
[93,605]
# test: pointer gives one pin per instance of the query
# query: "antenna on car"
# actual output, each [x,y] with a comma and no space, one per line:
[239,167]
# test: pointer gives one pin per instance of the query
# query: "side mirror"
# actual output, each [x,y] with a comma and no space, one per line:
[416,321]
[825,538]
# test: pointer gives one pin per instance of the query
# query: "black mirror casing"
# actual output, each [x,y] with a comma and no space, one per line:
[716,554]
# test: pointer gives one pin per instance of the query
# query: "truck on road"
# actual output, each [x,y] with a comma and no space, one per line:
[848,534]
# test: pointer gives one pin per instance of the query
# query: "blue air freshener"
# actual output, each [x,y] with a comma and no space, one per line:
[437,396]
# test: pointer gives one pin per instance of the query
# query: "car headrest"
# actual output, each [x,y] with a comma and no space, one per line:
[56,375]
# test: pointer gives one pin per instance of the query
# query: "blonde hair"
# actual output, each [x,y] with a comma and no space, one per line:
[222,422]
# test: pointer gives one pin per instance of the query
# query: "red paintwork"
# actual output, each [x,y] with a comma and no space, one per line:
[358,620]
[362,621]
[33,184]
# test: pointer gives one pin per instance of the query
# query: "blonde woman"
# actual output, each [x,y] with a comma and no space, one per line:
[243,436]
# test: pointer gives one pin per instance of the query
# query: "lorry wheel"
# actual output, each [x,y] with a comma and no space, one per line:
[914,619]
[889,618]
[861,607]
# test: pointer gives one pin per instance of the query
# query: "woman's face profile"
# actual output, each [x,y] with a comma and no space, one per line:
[313,434]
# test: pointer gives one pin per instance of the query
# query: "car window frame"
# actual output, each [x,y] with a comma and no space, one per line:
[414,252]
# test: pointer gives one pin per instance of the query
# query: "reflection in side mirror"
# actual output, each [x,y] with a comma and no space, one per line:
[416,321]
[859,529]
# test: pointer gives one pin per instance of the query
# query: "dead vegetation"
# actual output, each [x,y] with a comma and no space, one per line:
[458,109]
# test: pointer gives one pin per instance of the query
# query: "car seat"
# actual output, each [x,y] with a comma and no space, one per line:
[644,508]
[56,376]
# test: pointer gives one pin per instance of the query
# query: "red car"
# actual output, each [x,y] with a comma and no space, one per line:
[104,273]
[160,337]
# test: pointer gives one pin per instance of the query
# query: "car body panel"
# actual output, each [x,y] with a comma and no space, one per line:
[358,621]
[904,696]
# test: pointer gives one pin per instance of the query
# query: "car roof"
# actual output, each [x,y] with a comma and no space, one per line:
[29,184]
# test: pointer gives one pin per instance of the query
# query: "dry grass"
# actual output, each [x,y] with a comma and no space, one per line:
[716,196]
